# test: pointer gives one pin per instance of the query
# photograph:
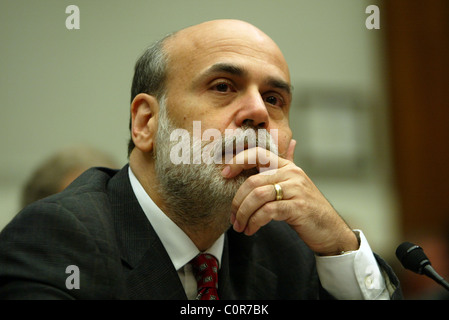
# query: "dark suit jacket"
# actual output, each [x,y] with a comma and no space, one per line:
[97,225]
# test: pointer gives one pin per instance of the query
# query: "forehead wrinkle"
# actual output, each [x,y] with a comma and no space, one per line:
[197,45]
[239,49]
[224,67]
[191,49]
[264,51]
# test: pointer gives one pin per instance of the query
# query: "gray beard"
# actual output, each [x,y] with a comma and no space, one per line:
[197,195]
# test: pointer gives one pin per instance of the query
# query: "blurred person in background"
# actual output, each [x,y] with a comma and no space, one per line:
[60,169]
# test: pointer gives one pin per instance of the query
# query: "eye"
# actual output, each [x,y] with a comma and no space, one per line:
[274,99]
[223,86]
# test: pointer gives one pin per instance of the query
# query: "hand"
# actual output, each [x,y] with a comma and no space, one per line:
[303,206]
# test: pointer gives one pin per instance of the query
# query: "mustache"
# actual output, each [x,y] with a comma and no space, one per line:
[235,141]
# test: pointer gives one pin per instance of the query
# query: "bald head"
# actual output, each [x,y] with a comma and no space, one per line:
[204,34]
[204,68]
[221,39]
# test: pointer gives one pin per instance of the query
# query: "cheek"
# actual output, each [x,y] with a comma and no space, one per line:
[187,110]
[215,120]
[283,140]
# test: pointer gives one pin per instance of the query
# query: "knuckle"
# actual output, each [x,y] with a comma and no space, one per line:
[301,203]
[254,220]
[259,192]
[269,208]
[296,170]
[252,182]
[234,203]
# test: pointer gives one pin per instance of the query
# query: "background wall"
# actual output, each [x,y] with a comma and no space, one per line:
[62,87]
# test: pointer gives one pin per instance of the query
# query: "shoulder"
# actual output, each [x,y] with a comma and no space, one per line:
[69,228]
[83,200]
[82,208]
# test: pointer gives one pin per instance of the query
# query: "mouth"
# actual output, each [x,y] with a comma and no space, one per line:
[228,152]
[234,147]
[231,146]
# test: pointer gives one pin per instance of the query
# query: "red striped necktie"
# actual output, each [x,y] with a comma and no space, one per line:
[205,268]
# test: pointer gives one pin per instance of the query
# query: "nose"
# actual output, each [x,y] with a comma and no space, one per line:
[252,111]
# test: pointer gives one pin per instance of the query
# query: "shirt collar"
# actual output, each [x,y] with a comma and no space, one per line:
[177,244]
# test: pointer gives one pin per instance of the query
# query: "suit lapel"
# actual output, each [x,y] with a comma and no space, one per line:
[149,272]
[241,276]
[148,269]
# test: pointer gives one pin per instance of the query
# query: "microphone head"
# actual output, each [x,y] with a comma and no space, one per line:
[412,257]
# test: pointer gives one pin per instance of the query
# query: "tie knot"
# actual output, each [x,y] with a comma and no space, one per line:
[205,267]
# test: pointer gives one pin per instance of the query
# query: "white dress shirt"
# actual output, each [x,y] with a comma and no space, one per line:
[353,275]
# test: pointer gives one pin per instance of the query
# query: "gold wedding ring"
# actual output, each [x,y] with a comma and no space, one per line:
[279,193]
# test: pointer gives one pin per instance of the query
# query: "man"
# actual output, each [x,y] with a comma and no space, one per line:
[133,234]
[58,171]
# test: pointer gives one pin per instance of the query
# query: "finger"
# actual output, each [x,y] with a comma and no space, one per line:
[250,204]
[275,210]
[245,189]
[250,184]
[282,177]
[251,158]
[291,150]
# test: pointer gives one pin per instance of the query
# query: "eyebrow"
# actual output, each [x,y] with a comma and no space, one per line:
[227,68]
[280,84]
[236,70]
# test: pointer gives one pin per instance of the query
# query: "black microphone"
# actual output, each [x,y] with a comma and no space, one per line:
[413,258]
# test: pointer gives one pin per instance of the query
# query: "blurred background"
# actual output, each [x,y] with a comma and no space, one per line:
[370,110]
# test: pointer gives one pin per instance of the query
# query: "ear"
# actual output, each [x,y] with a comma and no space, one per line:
[144,109]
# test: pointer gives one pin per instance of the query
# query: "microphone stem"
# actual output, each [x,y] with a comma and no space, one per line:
[444,283]
[430,272]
